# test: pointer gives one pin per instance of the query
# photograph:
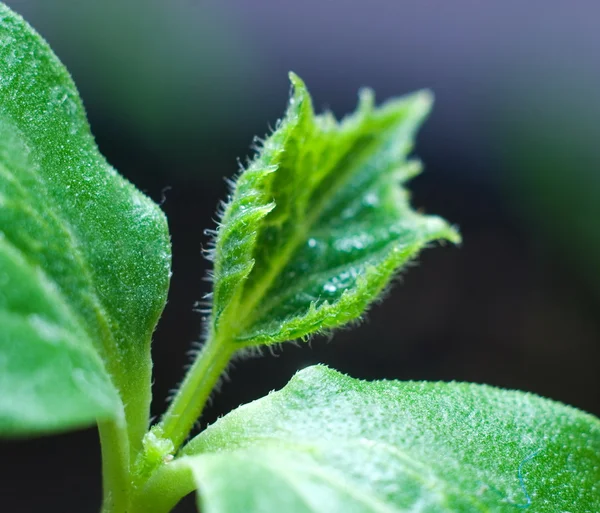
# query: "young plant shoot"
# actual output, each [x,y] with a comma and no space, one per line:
[315,228]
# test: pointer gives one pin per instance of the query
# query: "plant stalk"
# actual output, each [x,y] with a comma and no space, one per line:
[186,407]
[164,489]
[116,482]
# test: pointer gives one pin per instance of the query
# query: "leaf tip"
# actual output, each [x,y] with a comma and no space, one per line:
[453,235]
[366,100]
[422,102]
[425,97]
[439,229]
[299,89]
[419,105]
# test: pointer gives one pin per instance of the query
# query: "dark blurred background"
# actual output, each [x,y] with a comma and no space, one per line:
[175,90]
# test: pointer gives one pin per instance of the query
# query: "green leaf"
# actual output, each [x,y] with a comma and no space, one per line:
[318,223]
[84,257]
[329,443]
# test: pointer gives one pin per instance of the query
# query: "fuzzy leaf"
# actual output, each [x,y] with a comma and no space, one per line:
[329,443]
[318,223]
[84,257]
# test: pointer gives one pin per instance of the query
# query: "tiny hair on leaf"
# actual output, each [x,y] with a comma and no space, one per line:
[319,222]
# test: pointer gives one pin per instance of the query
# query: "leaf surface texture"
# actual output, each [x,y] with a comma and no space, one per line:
[329,443]
[85,257]
[318,223]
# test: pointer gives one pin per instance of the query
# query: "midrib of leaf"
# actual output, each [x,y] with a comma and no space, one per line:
[415,468]
[280,466]
[329,477]
[273,301]
[249,313]
[68,342]
[306,446]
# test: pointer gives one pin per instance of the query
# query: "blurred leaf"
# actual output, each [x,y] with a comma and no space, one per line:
[85,257]
[177,76]
[553,173]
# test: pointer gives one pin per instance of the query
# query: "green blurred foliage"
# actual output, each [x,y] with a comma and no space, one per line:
[552,171]
[173,75]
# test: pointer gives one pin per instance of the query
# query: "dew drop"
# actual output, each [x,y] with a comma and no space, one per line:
[371,200]
[330,287]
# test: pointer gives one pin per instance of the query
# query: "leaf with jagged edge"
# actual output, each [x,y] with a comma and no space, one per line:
[84,257]
[319,223]
[328,443]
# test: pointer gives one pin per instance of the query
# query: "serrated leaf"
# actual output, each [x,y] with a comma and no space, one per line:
[84,256]
[329,443]
[318,223]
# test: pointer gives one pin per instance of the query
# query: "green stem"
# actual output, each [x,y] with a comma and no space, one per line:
[195,390]
[115,466]
[165,488]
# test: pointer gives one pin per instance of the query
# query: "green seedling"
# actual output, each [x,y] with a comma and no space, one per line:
[315,228]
